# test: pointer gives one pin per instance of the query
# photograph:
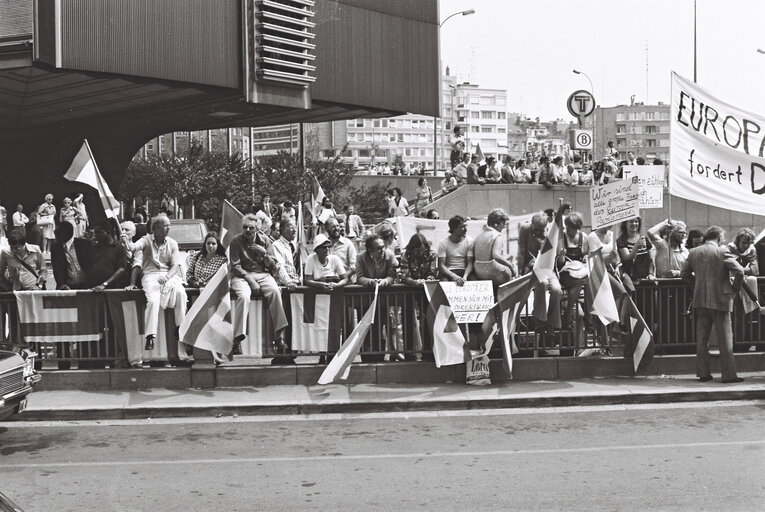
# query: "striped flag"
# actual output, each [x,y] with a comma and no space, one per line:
[641,338]
[602,301]
[208,323]
[340,366]
[317,196]
[501,318]
[544,265]
[230,223]
[317,320]
[479,153]
[84,170]
[58,316]
[126,312]
[449,345]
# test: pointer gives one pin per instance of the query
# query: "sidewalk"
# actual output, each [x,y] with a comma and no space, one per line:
[360,398]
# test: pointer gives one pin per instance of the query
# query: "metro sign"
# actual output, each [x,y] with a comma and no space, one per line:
[581,104]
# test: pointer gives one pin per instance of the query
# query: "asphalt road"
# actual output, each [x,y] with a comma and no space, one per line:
[700,456]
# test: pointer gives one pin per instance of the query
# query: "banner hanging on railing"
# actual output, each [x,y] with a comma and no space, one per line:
[716,151]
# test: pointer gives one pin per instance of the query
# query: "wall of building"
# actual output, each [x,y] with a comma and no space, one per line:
[477,200]
[642,129]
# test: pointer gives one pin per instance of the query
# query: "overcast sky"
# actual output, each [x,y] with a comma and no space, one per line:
[529,48]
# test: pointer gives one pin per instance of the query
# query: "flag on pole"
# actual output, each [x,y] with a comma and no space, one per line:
[84,170]
[478,152]
[302,244]
[640,337]
[449,345]
[602,302]
[317,195]
[501,318]
[208,323]
[230,223]
[544,265]
[340,366]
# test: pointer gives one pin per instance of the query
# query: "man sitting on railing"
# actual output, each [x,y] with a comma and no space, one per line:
[158,257]
[284,251]
[251,269]
[449,183]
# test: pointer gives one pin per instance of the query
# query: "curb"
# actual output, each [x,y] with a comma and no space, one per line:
[184,411]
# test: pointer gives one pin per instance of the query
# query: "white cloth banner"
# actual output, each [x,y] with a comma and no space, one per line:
[716,151]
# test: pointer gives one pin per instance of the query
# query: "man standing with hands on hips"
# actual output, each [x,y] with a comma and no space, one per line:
[709,268]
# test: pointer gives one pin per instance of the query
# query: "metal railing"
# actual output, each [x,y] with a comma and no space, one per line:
[400,330]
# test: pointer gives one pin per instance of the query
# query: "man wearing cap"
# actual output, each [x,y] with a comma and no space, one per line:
[251,269]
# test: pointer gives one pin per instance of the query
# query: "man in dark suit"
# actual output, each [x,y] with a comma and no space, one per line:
[70,258]
[709,269]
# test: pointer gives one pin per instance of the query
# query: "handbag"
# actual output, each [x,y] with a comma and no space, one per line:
[576,269]
[45,220]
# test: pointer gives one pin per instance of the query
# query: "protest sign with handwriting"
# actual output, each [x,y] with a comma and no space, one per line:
[471,301]
[614,202]
[650,183]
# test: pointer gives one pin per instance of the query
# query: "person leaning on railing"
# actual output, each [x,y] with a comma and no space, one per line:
[742,248]
[376,266]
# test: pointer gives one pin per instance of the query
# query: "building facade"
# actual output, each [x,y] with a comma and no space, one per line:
[642,129]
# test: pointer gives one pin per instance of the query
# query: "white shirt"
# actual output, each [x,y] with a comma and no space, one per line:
[19,219]
[316,271]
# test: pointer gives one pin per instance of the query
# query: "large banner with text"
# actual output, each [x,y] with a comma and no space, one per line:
[716,150]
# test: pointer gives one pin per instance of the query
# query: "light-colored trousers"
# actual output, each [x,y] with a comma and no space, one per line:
[153,291]
[242,293]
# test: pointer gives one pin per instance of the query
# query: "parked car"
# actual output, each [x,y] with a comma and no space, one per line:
[17,377]
[189,233]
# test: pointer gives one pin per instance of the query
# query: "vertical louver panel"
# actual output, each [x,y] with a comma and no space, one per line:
[284,41]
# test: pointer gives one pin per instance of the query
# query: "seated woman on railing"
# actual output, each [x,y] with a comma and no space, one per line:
[322,269]
[490,260]
[572,270]
[202,266]
[456,253]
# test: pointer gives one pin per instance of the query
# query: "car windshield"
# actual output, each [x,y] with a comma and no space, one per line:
[186,233]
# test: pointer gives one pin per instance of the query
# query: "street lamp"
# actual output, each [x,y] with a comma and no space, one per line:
[577,72]
[441,93]
[464,13]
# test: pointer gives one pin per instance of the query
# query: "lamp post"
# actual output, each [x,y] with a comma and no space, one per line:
[592,91]
[441,92]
